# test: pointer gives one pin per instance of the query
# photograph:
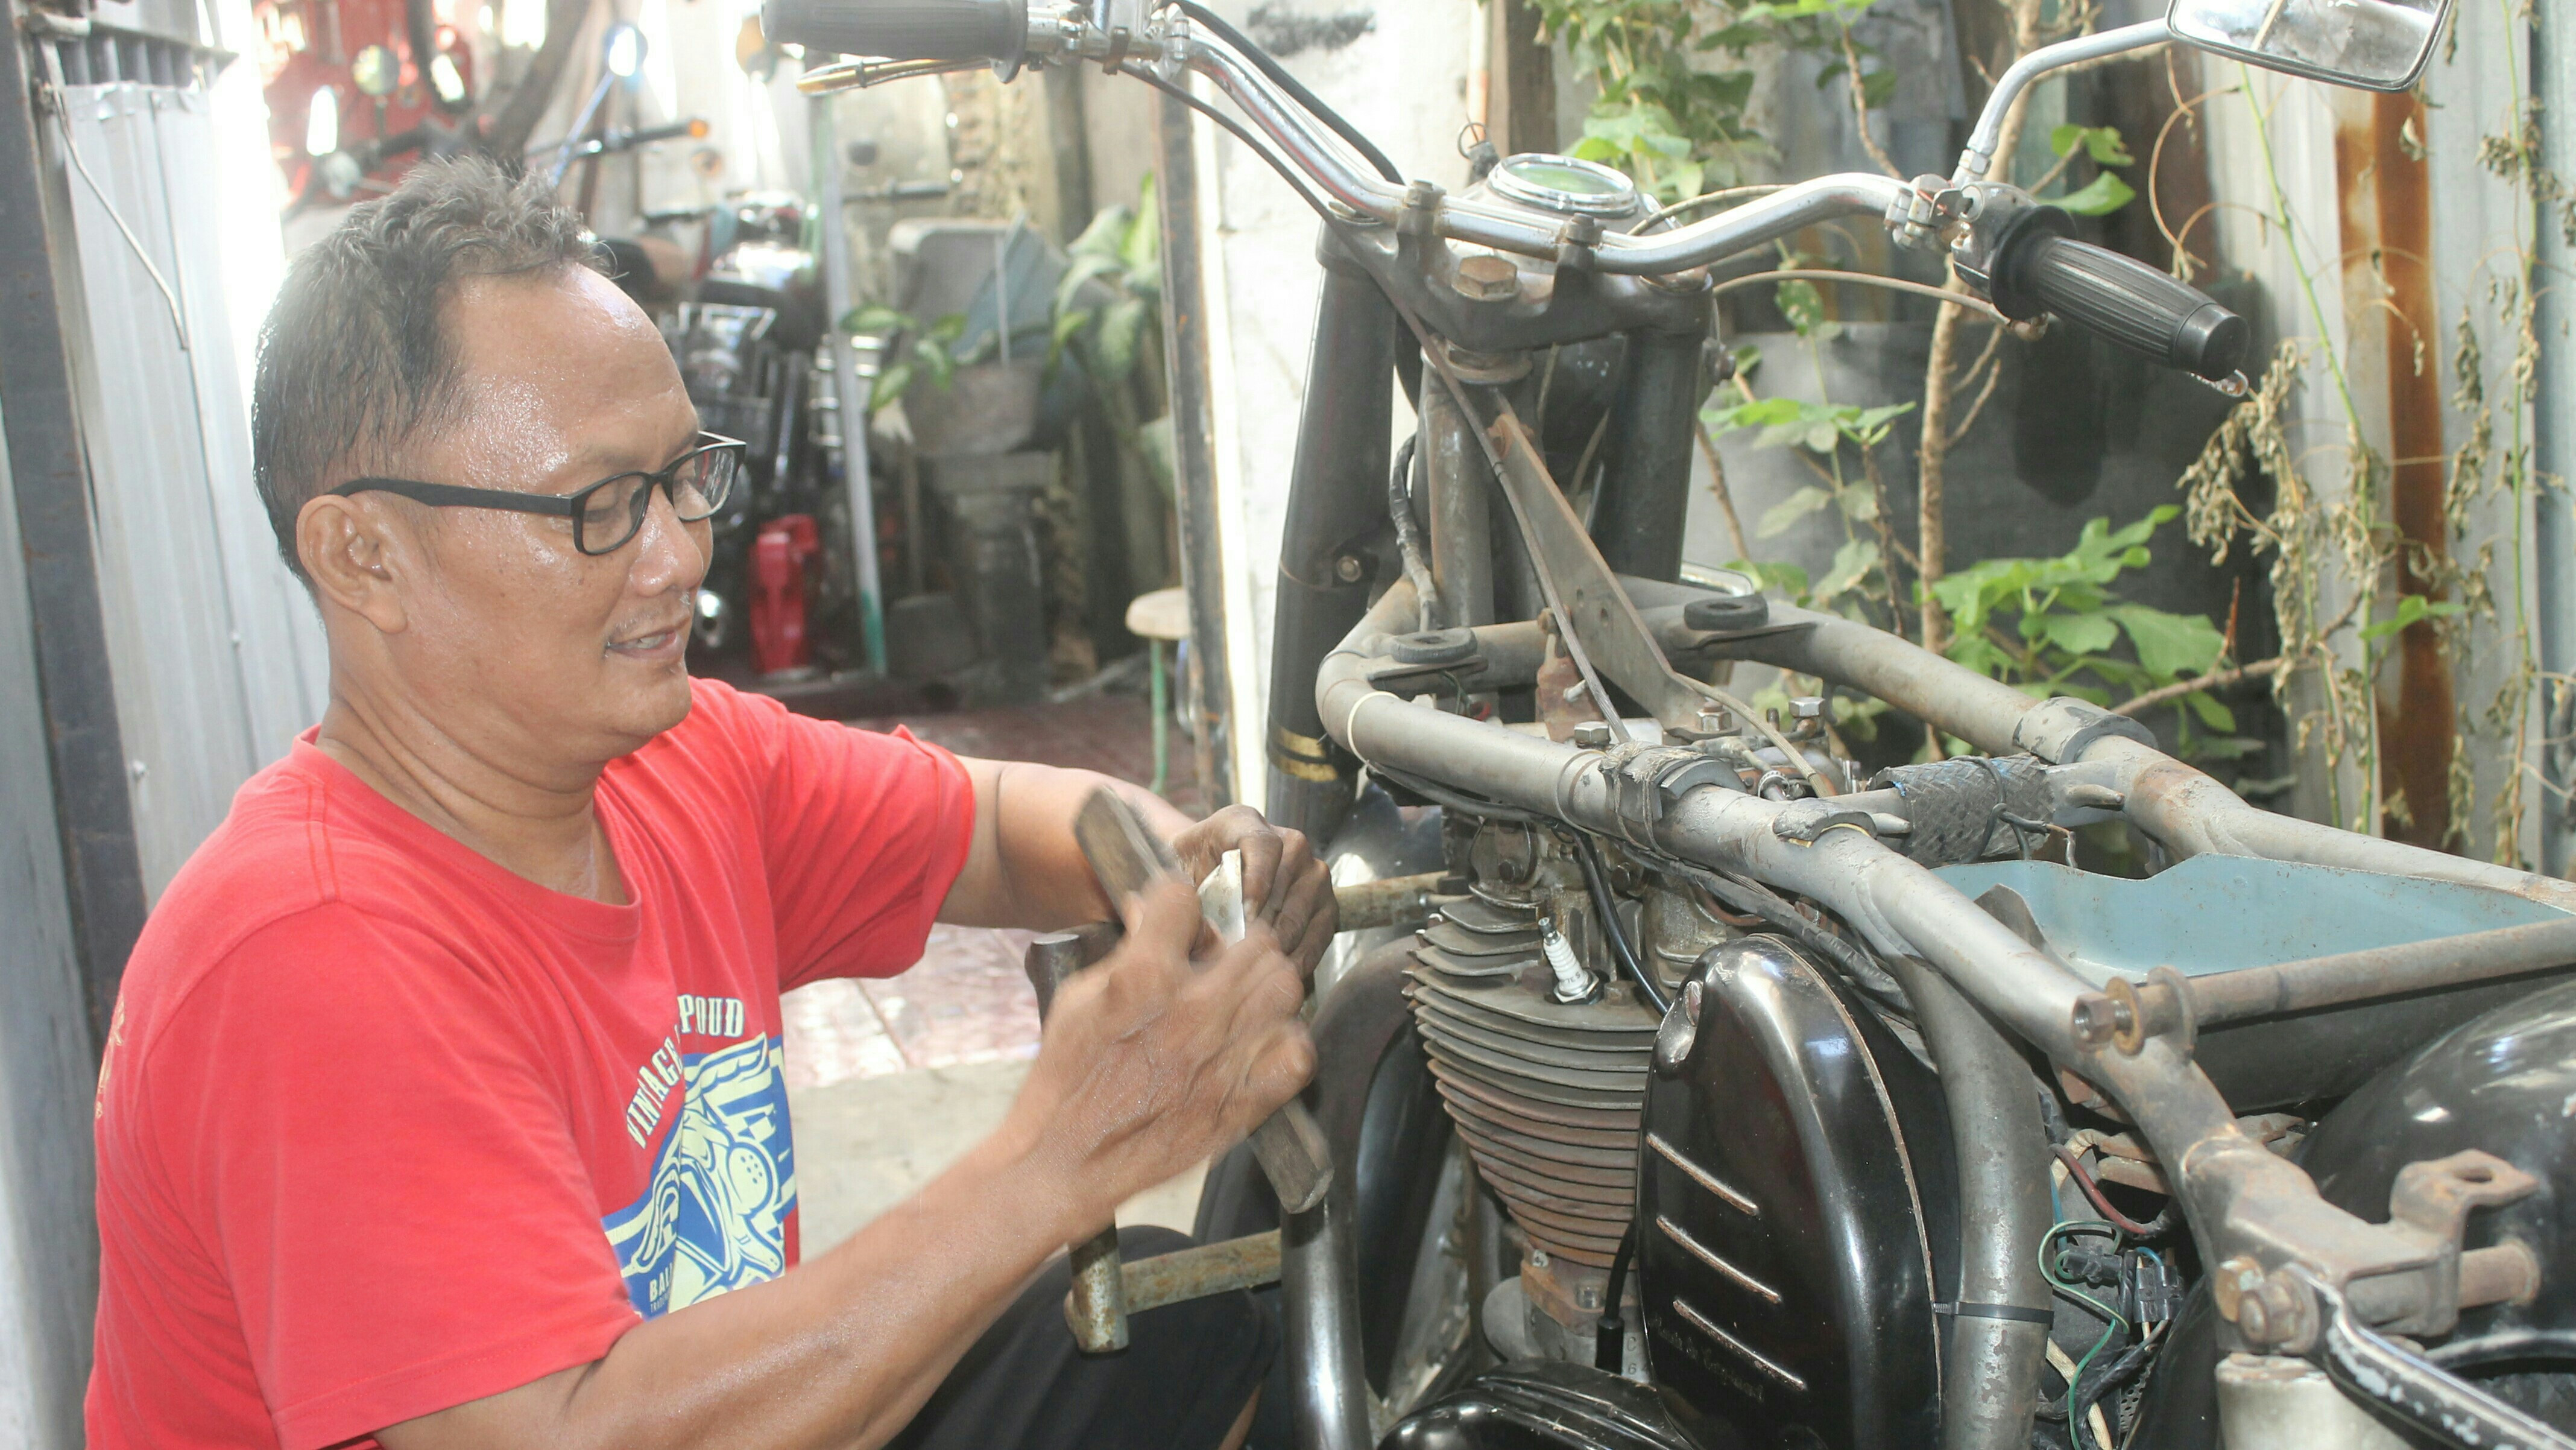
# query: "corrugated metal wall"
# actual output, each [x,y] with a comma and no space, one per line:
[216,652]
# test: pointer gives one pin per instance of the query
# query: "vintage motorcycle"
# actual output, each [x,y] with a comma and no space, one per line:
[1716,1097]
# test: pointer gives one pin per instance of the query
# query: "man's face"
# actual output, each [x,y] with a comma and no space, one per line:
[512,633]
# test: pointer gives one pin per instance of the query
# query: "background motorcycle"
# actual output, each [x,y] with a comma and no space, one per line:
[1732,1100]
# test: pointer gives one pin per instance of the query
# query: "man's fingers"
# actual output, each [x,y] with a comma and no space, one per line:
[1261,848]
[1163,920]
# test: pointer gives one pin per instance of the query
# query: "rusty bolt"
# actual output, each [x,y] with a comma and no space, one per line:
[2278,1312]
[2098,1019]
[2253,1320]
[1594,734]
[2235,1279]
[1485,277]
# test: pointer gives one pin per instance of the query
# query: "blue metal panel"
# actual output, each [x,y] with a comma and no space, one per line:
[2219,913]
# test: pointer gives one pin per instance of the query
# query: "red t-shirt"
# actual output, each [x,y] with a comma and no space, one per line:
[383,1128]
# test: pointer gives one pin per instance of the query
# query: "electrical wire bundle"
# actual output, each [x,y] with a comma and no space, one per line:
[2142,1298]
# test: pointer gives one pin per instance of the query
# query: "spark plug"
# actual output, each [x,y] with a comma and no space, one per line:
[1574,982]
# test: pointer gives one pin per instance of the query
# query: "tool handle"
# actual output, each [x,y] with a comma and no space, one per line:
[961,30]
[1126,855]
[1294,1156]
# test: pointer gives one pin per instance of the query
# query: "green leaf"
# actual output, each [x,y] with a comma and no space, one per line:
[2212,714]
[1803,305]
[1775,577]
[2169,645]
[893,383]
[2103,195]
[1778,518]
[1859,505]
[1852,564]
[950,327]
[2103,143]
[2076,634]
[1120,326]
[874,321]
[2410,608]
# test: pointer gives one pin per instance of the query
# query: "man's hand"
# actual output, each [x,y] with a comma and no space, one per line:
[1151,1062]
[1284,886]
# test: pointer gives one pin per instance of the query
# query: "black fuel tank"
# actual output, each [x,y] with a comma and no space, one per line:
[1795,1184]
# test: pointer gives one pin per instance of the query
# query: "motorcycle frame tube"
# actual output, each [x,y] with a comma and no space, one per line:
[1645,485]
[2184,810]
[1336,500]
[1989,1365]
[1319,1279]
[1462,519]
[2240,1196]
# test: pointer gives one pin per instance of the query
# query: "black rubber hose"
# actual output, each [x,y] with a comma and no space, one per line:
[1596,877]
[1296,88]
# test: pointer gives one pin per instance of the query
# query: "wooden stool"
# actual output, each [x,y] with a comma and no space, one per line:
[1160,617]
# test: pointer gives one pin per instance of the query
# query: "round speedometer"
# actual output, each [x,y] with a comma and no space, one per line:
[1563,183]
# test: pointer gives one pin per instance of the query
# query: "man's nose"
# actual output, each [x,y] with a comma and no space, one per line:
[668,554]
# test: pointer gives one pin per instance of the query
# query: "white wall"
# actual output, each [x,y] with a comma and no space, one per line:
[1403,83]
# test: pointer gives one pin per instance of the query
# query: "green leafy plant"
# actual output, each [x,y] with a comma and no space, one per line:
[924,351]
[1108,327]
[2106,192]
[2052,626]
[1664,113]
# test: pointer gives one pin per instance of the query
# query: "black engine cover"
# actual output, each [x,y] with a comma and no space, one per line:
[1539,1404]
[1788,1263]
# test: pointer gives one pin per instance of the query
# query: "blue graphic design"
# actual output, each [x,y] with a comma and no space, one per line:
[714,1216]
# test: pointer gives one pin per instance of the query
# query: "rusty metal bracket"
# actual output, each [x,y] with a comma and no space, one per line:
[1597,612]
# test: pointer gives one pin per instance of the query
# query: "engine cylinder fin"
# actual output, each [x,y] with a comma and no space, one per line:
[1458,941]
[1620,1121]
[1571,1145]
[1562,1084]
[1525,1154]
[1472,968]
[1553,1188]
[1613,1016]
[1551,1051]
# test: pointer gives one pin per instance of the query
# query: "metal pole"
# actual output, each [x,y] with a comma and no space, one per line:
[51,484]
[824,138]
[1209,685]
[2553,531]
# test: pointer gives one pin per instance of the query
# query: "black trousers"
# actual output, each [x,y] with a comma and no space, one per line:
[1180,1383]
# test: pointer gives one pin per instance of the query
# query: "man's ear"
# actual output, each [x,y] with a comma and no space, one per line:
[345,545]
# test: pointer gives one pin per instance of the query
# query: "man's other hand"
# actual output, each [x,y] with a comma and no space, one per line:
[1284,885]
[1152,1062]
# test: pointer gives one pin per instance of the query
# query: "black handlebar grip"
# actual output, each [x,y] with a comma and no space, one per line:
[961,30]
[2039,268]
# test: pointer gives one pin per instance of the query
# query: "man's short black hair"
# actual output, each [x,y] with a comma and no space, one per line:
[353,360]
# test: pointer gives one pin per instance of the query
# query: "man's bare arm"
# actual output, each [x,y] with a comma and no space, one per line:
[1025,870]
[1149,1063]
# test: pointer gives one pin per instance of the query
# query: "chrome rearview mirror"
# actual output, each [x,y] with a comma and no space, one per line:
[2380,45]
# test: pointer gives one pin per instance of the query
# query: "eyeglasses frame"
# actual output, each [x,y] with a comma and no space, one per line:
[554,505]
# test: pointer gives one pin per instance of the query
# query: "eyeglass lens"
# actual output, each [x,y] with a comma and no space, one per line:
[698,484]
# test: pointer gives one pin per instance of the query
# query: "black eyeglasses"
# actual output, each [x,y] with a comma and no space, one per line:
[607,513]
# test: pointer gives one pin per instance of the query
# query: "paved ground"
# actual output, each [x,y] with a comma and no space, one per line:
[889,1081]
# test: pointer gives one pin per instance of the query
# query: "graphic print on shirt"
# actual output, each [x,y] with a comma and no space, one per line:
[714,1216]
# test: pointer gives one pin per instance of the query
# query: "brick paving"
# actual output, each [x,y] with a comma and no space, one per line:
[967,1000]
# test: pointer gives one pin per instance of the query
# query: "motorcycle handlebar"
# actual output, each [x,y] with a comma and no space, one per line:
[2039,268]
[955,30]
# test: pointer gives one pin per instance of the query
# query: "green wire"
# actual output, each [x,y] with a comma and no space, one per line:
[2112,1320]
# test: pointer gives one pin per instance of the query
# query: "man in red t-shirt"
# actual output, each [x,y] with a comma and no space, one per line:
[442,1105]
